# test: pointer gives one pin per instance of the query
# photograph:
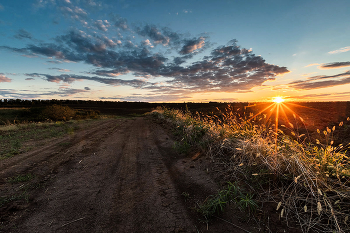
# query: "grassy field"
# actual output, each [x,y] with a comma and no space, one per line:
[301,168]
[21,129]
[305,179]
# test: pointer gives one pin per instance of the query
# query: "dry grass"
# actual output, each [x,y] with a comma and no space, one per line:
[309,182]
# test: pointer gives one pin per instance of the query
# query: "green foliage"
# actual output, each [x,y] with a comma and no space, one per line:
[215,204]
[20,178]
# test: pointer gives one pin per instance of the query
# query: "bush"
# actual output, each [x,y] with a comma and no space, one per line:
[58,113]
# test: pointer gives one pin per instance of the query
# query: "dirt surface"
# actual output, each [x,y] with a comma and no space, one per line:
[119,175]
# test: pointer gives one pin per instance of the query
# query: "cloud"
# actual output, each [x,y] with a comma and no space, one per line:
[60,70]
[23,34]
[72,78]
[154,34]
[120,22]
[226,68]
[111,73]
[102,25]
[87,88]
[341,50]
[192,45]
[147,43]
[29,79]
[313,64]
[1,7]
[28,94]
[322,81]
[4,79]
[334,65]
[322,95]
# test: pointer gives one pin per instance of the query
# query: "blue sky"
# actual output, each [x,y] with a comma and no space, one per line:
[175,51]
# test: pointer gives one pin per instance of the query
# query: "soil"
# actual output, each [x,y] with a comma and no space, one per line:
[118,175]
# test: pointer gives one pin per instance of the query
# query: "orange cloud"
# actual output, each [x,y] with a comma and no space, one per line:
[341,50]
[313,64]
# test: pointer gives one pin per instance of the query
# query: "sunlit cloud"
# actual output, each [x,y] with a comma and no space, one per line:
[334,65]
[102,25]
[322,81]
[313,64]
[4,79]
[192,45]
[341,50]
[321,96]
[60,70]
[308,74]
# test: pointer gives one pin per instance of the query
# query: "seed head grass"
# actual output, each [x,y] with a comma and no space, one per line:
[307,178]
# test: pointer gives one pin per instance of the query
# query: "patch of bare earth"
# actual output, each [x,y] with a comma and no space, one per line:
[119,175]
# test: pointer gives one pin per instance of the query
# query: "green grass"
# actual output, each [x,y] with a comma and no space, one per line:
[7,199]
[215,204]
[16,139]
[20,178]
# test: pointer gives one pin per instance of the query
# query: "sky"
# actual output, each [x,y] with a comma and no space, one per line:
[175,50]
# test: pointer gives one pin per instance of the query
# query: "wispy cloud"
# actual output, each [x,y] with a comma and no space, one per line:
[341,50]
[60,70]
[322,81]
[28,94]
[334,65]
[23,34]
[321,96]
[4,79]
[313,64]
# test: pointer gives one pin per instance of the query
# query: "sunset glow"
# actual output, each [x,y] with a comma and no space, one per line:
[174,51]
[278,99]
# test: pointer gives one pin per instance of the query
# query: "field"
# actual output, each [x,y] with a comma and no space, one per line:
[216,167]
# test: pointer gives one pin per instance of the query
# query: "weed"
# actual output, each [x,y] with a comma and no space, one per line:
[247,203]
[182,147]
[185,195]
[7,199]
[215,204]
[20,178]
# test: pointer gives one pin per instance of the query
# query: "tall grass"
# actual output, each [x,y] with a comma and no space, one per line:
[307,180]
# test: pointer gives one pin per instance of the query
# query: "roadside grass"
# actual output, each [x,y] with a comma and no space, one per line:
[20,138]
[232,194]
[307,178]
[20,178]
[21,192]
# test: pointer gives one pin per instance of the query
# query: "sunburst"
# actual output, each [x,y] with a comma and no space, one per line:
[278,99]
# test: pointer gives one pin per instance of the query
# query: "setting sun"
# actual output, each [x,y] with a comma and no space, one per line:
[278,99]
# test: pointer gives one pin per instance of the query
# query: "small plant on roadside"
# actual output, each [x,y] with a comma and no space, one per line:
[246,202]
[215,204]
[20,178]
[186,195]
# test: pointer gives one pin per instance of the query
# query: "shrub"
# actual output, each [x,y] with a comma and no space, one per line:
[58,113]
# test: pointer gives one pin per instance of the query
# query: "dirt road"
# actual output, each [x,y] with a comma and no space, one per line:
[119,175]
